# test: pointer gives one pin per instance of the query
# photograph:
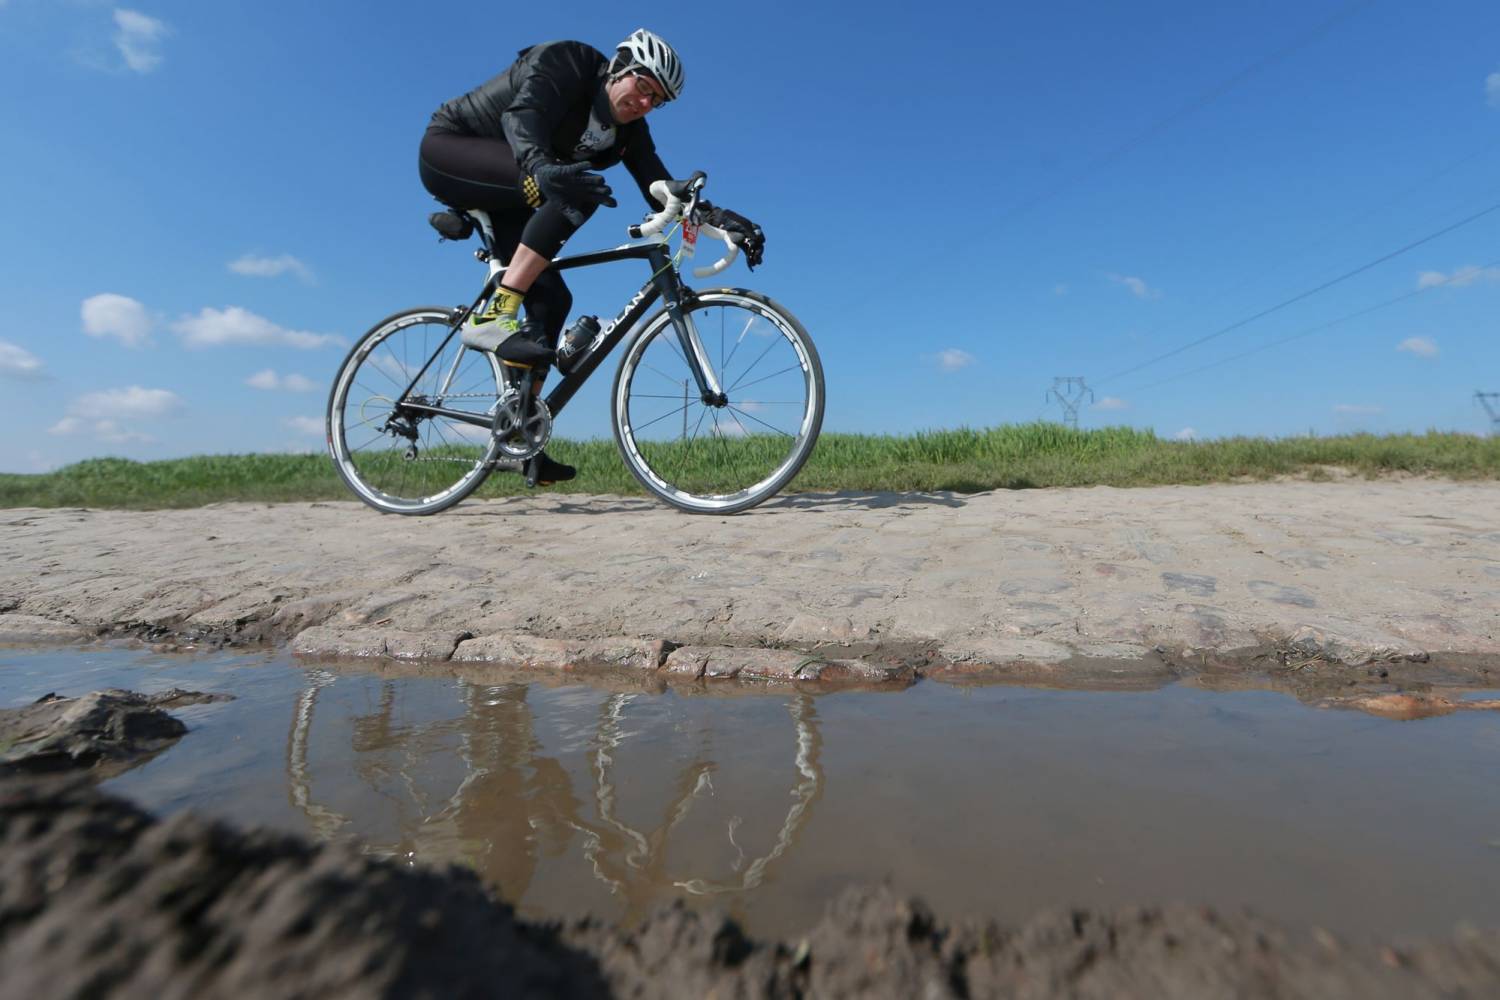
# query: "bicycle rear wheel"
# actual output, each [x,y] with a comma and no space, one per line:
[402,461]
[708,458]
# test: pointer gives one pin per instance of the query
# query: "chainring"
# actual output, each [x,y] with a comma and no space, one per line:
[521,435]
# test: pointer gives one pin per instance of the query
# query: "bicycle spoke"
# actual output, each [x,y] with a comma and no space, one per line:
[664,416]
[796,367]
[741,338]
[448,457]
[752,416]
[769,348]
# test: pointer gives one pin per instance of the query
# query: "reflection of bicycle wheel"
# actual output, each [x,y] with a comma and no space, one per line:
[644,849]
[404,461]
[719,456]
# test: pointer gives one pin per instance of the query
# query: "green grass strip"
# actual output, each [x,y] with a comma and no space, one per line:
[1020,456]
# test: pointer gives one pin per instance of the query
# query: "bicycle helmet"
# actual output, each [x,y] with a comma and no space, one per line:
[645,50]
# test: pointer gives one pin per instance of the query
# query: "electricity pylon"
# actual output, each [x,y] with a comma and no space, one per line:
[1070,392]
[1492,408]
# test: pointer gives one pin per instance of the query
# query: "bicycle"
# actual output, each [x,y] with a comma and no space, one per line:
[433,422]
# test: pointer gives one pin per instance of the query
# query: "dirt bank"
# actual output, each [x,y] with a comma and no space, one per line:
[99,899]
[1351,572]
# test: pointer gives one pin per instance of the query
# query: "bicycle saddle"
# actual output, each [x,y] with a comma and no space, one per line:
[452,224]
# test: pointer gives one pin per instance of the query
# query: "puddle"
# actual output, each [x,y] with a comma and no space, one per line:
[993,801]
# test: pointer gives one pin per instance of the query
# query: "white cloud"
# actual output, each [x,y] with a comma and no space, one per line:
[17,362]
[952,359]
[139,38]
[307,425]
[1137,286]
[1186,434]
[105,430]
[1492,90]
[1111,403]
[268,379]
[132,401]
[1422,347]
[271,267]
[1463,277]
[118,316]
[217,327]
[1357,409]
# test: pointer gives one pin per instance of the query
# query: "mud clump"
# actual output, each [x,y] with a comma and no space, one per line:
[99,899]
[109,731]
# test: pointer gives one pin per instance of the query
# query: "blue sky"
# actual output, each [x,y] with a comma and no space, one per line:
[205,203]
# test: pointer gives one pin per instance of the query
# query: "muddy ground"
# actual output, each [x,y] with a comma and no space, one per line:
[97,898]
[1045,581]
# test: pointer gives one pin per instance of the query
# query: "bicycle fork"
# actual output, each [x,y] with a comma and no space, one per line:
[711,391]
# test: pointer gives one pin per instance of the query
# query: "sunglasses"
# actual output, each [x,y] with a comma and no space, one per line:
[645,89]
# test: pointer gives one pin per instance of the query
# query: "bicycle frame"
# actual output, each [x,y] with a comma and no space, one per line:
[665,284]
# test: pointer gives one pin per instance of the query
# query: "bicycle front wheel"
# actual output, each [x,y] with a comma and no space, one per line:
[403,460]
[727,455]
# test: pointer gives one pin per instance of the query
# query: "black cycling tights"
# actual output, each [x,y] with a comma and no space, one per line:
[465,171]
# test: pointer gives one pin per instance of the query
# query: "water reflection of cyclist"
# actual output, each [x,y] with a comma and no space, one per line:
[523,147]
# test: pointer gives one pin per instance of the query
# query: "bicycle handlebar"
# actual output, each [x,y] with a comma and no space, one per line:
[680,197]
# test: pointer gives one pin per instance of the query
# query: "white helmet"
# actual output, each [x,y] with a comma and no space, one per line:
[646,50]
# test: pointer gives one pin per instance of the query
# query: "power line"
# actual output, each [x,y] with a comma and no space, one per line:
[1307,294]
[1196,104]
[1304,333]
[1349,223]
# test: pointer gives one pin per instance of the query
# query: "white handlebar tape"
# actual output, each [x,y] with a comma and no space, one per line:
[662,219]
[723,262]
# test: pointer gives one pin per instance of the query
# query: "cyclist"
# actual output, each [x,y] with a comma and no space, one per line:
[523,147]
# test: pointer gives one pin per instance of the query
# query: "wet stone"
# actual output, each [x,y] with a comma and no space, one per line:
[1034,585]
[1352,646]
[112,729]
[1191,583]
[1268,591]
[725,662]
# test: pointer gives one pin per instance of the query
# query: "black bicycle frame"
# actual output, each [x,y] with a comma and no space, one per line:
[664,284]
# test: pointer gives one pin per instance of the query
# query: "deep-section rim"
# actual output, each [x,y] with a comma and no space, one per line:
[338,447]
[812,421]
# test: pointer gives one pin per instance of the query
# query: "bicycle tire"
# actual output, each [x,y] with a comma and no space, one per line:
[408,475]
[719,476]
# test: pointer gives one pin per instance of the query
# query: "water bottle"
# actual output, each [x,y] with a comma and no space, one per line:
[574,345]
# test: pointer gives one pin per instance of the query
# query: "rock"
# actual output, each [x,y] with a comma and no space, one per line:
[1355,647]
[17,630]
[334,642]
[113,729]
[1408,706]
[724,662]
[1194,584]
[562,654]
[814,629]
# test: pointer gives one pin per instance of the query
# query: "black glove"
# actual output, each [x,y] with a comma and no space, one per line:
[740,229]
[572,184]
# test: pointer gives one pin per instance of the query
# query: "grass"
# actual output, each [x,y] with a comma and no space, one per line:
[1009,457]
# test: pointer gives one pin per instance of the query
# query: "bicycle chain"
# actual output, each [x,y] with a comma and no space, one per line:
[493,463]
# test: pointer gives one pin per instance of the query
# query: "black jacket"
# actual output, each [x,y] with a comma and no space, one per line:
[540,106]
